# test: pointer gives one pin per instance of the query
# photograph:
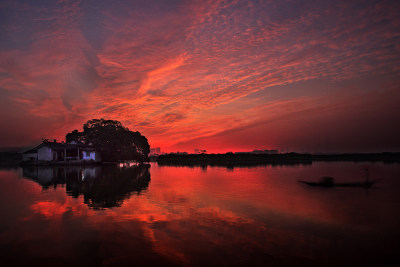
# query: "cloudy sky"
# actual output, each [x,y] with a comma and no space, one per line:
[315,76]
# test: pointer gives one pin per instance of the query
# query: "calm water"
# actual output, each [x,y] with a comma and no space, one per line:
[181,216]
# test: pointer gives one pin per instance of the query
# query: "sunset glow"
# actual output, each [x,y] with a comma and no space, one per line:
[305,76]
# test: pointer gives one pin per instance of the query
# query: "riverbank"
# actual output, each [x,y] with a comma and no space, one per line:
[14,159]
[231,159]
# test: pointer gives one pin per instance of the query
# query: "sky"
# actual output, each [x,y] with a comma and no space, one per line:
[304,76]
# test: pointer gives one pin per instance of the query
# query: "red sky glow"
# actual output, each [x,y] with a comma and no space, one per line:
[307,76]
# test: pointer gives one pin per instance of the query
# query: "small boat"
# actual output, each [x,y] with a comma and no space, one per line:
[328,181]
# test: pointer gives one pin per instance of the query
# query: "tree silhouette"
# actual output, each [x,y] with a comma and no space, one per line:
[74,136]
[115,140]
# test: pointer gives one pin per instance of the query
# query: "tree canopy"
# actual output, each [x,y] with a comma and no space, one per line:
[115,140]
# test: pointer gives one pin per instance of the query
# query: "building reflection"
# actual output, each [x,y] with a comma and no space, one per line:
[101,186]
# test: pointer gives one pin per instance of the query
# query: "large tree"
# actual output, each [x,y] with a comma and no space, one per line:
[115,140]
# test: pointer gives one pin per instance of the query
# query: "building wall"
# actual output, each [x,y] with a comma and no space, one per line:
[44,153]
[87,155]
[91,155]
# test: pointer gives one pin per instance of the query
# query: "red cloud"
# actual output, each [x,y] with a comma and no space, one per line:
[188,70]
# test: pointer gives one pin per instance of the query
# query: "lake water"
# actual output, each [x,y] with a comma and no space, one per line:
[181,216]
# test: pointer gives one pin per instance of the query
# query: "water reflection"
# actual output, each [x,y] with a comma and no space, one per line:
[230,166]
[188,217]
[101,186]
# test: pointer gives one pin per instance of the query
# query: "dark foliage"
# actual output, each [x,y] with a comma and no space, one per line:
[115,140]
[73,136]
[231,160]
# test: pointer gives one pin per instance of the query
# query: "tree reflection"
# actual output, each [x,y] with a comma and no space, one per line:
[101,186]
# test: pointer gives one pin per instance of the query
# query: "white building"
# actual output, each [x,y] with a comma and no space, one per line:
[61,152]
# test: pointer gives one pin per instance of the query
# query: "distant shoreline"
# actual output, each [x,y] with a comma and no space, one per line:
[250,159]
[14,159]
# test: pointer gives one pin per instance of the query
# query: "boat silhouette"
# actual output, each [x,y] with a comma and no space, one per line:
[328,181]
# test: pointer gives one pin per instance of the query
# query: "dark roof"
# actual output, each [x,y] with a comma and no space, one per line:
[52,145]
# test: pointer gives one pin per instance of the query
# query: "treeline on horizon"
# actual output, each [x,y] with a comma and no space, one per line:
[13,159]
[249,159]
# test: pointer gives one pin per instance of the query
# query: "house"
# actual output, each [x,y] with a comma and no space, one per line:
[54,152]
